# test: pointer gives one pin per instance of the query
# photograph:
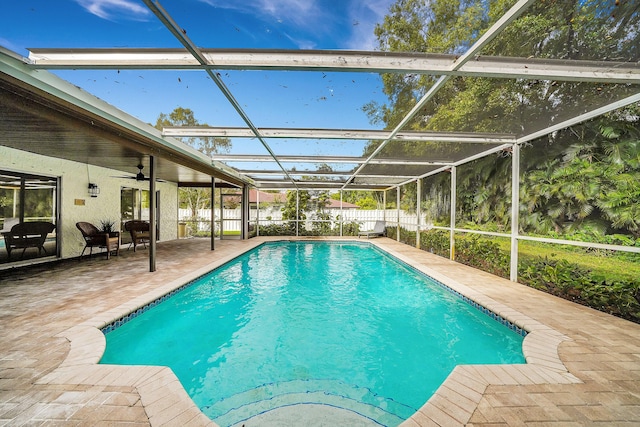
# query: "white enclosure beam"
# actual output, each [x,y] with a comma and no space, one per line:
[336,61]
[320,185]
[351,134]
[318,173]
[324,159]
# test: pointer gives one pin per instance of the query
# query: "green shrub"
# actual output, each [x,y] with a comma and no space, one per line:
[351,228]
[482,253]
[573,282]
[407,237]
[284,229]
[391,232]
[436,242]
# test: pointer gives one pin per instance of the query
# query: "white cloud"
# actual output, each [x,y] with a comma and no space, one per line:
[299,13]
[314,17]
[114,9]
[301,43]
[287,8]
[294,11]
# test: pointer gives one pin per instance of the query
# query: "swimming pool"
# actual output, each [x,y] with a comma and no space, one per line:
[337,324]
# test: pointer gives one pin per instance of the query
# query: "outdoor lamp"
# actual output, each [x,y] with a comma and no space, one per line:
[93,190]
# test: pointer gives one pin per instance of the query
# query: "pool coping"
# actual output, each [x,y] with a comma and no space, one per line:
[165,400]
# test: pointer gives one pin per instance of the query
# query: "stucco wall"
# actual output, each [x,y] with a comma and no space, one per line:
[75,178]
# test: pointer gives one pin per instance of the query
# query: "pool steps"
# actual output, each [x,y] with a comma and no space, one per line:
[251,403]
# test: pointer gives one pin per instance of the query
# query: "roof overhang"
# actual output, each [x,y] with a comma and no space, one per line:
[44,114]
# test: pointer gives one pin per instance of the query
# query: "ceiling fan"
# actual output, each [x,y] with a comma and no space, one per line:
[139,176]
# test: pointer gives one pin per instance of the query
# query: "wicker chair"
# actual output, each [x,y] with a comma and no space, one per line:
[139,231]
[96,238]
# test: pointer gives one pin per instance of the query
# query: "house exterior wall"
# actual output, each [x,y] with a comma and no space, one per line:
[74,181]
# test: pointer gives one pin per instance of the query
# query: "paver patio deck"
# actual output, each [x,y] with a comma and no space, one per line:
[583,366]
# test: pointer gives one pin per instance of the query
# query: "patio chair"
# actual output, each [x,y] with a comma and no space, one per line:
[28,235]
[379,229]
[139,231]
[95,238]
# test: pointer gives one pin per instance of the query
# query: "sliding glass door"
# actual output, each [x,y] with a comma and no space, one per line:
[28,216]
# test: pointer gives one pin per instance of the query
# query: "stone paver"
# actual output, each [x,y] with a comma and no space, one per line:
[583,366]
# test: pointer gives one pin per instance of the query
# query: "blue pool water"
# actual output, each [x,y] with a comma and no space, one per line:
[338,324]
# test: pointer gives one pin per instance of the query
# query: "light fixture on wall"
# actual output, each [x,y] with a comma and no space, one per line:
[93,190]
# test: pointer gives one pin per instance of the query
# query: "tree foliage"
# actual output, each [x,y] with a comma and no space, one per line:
[583,178]
[365,200]
[185,117]
[193,198]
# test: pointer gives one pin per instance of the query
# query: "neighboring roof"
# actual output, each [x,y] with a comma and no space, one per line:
[335,204]
[266,197]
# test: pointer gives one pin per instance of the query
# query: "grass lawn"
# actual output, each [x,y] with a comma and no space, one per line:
[606,265]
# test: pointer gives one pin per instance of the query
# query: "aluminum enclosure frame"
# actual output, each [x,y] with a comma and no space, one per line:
[470,63]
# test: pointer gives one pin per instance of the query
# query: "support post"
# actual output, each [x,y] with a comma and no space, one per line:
[341,214]
[515,211]
[221,214]
[244,213]
[384,206]
[212,213]
[22,196]
[418,203]
[452,222]
[297,211]
[152,214]
[398,213]
[257,212]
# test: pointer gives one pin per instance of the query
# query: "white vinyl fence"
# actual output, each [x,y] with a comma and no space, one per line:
[264,217]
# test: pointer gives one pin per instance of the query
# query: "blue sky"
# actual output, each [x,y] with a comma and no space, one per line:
[272,99]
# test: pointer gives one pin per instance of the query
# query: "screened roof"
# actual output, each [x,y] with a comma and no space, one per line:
[283,111]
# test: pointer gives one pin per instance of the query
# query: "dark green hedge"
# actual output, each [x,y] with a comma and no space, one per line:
[435,241]
[318,229]
[617,296]
[570,281]
[482,253]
